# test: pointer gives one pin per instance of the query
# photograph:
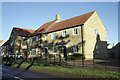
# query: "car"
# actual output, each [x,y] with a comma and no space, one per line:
[15,56]
[19,56]
[11,55]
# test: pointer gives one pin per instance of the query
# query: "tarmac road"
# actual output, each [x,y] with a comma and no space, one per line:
[21,74]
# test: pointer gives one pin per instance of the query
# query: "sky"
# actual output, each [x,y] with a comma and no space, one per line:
[31,15]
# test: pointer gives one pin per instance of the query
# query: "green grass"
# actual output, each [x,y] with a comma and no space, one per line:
[81,71]
[86,72]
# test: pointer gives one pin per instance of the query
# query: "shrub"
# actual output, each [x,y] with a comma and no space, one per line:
[75,56]
[51,55]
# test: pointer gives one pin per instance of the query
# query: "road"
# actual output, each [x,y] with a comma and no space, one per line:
[21,74]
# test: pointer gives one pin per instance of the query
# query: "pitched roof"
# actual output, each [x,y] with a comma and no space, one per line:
[6,43]
[22,32]
[62,24]
[71,22]
[42,28]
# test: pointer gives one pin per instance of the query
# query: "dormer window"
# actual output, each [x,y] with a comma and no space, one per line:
[75,31]
[64,34]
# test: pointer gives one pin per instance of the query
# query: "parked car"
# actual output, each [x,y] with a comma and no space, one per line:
[11,55]
[17,56]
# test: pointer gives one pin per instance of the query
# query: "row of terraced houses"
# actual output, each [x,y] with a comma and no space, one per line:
[84,34]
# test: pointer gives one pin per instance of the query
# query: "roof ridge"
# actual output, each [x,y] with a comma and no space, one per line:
[22,28]
[77,16]
[50,26]
[42,25]
[78,20]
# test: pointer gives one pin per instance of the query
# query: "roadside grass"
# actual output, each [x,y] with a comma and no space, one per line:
[84,72]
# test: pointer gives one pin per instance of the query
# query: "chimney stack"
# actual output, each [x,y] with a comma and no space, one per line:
[57,18]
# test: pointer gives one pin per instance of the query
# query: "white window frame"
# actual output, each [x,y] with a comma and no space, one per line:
[24,42]
[64,33]
[75,31]
[36,38]
[34,51]
[11,44]
[31,39]
[75,48]
[23,37]
[53,36]
[53,50]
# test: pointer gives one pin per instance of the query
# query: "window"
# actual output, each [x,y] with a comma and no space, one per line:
[75,48]
[45,37]
[64,34]
[75,31]
[11,44]
[37,38]
[96,46]
[34,51]
[54,49]
[23,37]
[24,42]
[53,35]
[30,39]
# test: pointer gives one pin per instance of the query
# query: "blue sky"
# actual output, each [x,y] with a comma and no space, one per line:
[32,15]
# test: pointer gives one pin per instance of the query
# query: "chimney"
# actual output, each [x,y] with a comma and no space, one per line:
[57,18]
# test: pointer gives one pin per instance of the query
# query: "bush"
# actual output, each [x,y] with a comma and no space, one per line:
[75,56]
[51,55]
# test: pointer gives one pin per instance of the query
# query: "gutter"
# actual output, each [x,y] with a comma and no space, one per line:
[82,39]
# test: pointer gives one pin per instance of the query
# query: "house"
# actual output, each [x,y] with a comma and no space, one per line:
[1,49]
[84,34]
[15,44]
[5,48]
[1,42]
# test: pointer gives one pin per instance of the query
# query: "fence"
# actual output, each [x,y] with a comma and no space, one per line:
[109,64]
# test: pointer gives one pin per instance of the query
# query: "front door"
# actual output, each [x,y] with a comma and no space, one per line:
[46,52]
[64,52]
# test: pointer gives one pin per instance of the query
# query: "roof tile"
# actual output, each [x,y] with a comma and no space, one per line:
[71,22]
[23,32]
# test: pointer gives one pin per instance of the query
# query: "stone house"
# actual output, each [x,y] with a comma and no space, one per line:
[16,44]
[84,34]
[1,48]
[5,48]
